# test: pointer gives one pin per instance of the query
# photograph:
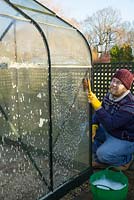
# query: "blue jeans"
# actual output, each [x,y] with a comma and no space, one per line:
[110,150]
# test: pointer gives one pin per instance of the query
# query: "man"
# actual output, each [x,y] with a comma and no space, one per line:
[113,123]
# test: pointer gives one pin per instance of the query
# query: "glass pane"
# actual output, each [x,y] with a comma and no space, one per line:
[70,123]
[39,13]
[31,4]
[24,108]
[67,46]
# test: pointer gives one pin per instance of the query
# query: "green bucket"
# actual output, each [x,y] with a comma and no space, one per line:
[109,185]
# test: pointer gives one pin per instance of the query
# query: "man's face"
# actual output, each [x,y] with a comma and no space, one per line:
[117,89]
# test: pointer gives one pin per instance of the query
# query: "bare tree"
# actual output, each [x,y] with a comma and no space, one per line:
[103,29]
[128,33]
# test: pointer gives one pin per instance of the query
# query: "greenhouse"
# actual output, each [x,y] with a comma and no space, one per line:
[45,150]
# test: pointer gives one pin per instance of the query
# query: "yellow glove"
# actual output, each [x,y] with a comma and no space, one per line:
[92,98]
[94,129]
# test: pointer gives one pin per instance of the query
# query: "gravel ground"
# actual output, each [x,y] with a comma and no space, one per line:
[19,179]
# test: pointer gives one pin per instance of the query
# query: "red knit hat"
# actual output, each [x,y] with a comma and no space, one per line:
[125,76]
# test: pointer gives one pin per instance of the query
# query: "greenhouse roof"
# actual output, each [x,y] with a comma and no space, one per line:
[65,43]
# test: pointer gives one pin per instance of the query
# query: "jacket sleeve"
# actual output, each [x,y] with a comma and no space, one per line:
[115,121]
[95,119]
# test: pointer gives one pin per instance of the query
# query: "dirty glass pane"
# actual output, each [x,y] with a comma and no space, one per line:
[24,108]
[70,123]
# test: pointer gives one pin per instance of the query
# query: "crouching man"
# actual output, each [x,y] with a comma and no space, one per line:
[113,123]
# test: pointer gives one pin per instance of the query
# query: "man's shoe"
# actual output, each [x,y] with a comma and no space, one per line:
[124,167]
[97,165]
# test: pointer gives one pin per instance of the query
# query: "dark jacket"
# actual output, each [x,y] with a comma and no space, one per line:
[117,117]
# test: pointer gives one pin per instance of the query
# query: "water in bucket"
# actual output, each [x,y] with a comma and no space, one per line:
[108,184]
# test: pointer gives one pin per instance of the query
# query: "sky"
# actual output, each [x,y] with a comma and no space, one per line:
[80,9]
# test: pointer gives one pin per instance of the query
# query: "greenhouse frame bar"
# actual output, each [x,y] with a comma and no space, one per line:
[45,115]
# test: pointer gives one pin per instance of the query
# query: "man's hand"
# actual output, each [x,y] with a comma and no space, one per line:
[92,98]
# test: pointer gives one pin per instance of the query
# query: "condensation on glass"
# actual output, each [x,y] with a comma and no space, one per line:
[34,42]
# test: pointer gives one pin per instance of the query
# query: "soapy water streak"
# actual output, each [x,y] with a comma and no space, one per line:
[68,117]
